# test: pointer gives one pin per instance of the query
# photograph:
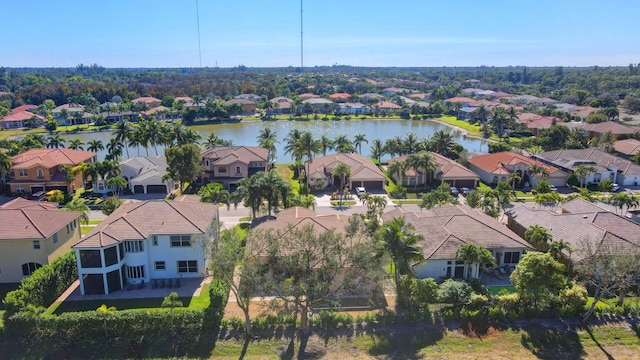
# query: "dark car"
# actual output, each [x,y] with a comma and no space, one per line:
[454,191]
[465,191]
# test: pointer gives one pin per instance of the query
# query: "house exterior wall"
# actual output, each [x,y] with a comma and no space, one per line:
[431,269]
[15,253]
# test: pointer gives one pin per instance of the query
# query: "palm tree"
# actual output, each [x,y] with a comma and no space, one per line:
[472,254]
[293,148]
[215,193]
[409,144]
[499,118]
[325,144]
[358,140]
[309,147]
[556,248]
[172,301]
[123,134]
[481,114]
[114,149]
[35,313]
[272,186]
[343,145]
[5,164]
[442,143]
[424,163]
[105,313]
[474,199]
[55,142]
[94,145]
[397,167]
[535,169]
[514,178]
[400,241]
[249,191]
[80,169]
[78,204]
[582,172]
[538,236]
[268,139]
[377,149]
[76,144]
[117,183]
[342,170]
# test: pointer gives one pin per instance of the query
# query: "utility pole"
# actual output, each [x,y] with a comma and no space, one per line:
[301,41]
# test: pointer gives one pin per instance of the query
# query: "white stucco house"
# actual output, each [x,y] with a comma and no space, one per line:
[143,241]
[144,175]
[445,228]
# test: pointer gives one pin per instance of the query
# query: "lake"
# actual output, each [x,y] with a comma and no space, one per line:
[246,132]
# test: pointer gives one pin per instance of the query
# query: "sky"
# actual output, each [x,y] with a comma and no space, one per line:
[266,33]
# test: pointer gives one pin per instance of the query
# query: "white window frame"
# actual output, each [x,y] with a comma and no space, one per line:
[23,173]
[36,245]
[179,240]
[187,266]
[133,246]
[160,266]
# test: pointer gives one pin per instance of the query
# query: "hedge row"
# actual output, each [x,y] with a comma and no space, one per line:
[44,286]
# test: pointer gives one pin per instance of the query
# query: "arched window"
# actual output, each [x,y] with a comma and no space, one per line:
[29,268]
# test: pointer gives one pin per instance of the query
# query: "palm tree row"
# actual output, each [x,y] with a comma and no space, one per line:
[149,133]
[441,142]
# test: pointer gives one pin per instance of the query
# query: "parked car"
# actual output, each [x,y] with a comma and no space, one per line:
[465,191]
[454,191]
[360,190]
[554,188]
[615,187]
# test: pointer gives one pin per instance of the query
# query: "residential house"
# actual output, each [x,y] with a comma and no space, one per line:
[184,99]
[143,241]
[393,90]
[370,97]
[464,101]
[71,114]
[581,112]
[532,100]
[28,107]
[21,119]
[363,172]
[353,108]
[33,234]
[148,101]
[160,113]
[493,168]
[618,130]
[387,106]
[321,105]
[307,96]
[248,106]
[447,170]
[534,122]
[38,170]
[444,229]
[281,106]
[607,166]
[145,175]
[627,148]
[228,164]
[576,222]
[251,97]
[477,92]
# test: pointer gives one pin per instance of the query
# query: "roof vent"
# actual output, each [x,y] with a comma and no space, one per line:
[584,216]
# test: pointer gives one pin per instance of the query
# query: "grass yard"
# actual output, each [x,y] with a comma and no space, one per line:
[344,202]
[494,290]
[530,341]
[192,303]
[406,201]
[474,130]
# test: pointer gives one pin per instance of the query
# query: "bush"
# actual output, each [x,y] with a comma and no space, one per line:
[510,304]
[398,192]
[573,181]
[455,292]
[424,292]
[478,302]
[573,299]
[44,286]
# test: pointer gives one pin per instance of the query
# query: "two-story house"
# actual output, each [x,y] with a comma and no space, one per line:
[71,114]
[143,241]
[33,234]
[38,170]
[228,164]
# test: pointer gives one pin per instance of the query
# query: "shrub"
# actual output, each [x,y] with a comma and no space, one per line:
[573,181]
[455,292]
[423,292]
[574,299]
[477,302]
[510,304]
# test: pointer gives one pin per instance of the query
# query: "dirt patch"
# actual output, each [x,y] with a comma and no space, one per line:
[481,333]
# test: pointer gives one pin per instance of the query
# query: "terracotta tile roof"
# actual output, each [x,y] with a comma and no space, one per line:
[340,96]
[224,155]
[600,227]
[495,163]
[628,147]
[306,96]
[240,101]
[535,121]
[23,108]
[154,110]
[20,203]
[50,158]
[388,105]
[21,220]
[450,169]
[394,89]
[21,116]
[362,168]
[571,158]
[460,99]
[183,98]
[446,228]
[614,127]
[145,99]
[582,111]
[140,220]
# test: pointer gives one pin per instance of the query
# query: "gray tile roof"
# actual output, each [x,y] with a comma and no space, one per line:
[569,159]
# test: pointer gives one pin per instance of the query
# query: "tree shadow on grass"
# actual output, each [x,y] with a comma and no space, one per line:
[399,344]
[605,352]
[547,343]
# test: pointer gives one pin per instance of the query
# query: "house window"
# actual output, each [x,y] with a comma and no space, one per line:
[512,257]
[135,272]
[55,238]
[19,188]
[222,170]
[29,268]
[180,240]
[160,265]
[67,228]
[36,244]
[40,173]
[207,162]
[154,240]
[133,246]
[237,169]
[187,266]
[23,173]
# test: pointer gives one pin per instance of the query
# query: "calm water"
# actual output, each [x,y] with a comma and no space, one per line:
[246,132]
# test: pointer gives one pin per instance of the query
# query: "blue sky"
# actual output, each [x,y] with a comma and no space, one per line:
[163,33]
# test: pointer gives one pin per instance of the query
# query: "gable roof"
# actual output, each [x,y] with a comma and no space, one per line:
[362,168]
[145,99]
[146,166]
[24,219]
[21,116]
[140,220]
[450,169]
[50,158]
[496,163]
[225,155]
[446,228]
[388,105]
[27,107]
[571,158]
[614,127]
[628,147]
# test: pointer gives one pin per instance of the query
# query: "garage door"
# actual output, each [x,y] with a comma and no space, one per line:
[35,189]
[156,189]
[471,184]
[138,189]
[373,185]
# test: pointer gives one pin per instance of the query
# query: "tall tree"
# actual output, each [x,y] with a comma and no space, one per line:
[475,255]
[326,144]
[79,205]
[377,149]
[183,163]
[123,134]
[215,193]
[76,144]
[400,242]
[105,313]
[171,301]
[358,140]
[343,171]
[95,145]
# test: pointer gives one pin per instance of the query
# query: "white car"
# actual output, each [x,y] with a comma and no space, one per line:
[615,187]
[360,190]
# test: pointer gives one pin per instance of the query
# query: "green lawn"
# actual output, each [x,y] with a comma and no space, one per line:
[344,202]
[608,303]
[494,290]
[474,130]
[192,303]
